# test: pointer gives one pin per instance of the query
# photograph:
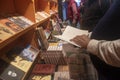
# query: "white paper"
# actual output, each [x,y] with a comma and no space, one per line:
[70,33]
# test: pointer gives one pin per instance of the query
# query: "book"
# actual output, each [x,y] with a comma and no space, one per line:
[10,72]
[39,77]
[43,69]
[53,57]
[55,46]
[5,32]
[38,17]
[30,53]
[42,38]
[62,75]
[20,58]
[47,33]
[19,21]
[26,20]
[69,33]
[62,68]
[11,25]
[43,14]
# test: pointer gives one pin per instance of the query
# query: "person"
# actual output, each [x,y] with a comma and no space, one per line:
[72,13]
[108,51]
[107,29]
[91,11]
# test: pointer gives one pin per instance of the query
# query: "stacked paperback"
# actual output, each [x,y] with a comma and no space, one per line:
[54,54]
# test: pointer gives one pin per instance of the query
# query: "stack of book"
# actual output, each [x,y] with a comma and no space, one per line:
[53,57]
[74,61]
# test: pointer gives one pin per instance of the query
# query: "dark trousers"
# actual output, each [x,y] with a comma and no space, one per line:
[105,71]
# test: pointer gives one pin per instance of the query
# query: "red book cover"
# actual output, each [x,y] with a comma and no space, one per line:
[43,69]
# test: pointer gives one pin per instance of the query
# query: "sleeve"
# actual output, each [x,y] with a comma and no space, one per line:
[108,51]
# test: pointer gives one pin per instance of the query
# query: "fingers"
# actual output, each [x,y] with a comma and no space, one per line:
[81,40]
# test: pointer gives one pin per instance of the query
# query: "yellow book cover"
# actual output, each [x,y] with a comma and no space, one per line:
[40,77]
[18,62]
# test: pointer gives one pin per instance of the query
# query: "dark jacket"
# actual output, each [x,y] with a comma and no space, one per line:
[108,28]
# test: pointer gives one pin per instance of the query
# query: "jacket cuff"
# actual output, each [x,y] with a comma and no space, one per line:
[93,47]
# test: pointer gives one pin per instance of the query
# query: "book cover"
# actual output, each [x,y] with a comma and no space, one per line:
[55,46]
[69,33]
[47,33]
[53,57]
[62,68]
[10,72]
[38,17]
[26,20]
[42,38]
[42,14]
[43,69]
[5,32]
[19,21]
[62,75]
[20,58]
[10,25]
[29,53]
[48,15]
[39,77]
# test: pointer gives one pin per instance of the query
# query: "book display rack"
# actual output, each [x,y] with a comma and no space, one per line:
[19,20]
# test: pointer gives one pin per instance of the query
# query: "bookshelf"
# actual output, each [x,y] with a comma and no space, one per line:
[26,9]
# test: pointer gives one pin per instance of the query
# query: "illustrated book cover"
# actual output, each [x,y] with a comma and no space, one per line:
[11,25]
[10,72]
[20,57]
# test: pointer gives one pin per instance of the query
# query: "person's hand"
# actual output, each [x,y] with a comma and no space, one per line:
[81,40]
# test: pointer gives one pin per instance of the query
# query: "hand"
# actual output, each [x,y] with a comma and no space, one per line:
[81,40]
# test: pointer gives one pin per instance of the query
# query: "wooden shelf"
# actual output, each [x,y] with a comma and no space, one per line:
[26,36]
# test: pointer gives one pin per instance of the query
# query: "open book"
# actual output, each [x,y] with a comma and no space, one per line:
[70,33]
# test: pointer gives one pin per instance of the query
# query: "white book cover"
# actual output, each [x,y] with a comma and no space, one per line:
[69,33]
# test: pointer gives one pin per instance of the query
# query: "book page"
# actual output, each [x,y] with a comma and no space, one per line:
[70,33]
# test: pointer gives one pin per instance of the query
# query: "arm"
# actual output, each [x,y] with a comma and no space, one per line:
[108,51]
